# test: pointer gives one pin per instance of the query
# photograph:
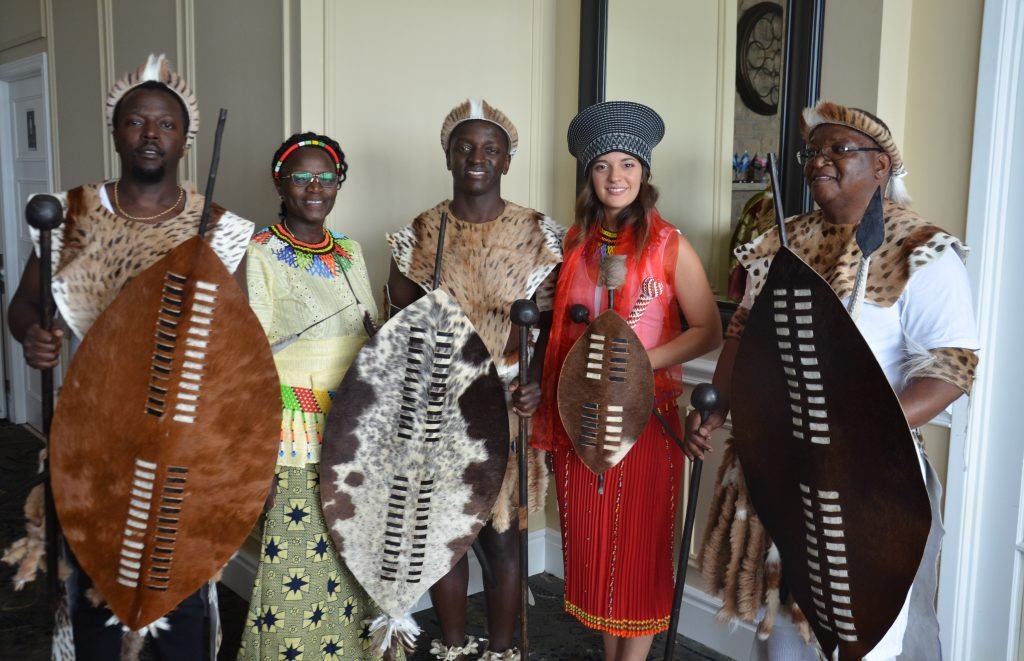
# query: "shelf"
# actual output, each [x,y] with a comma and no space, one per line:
[754,186]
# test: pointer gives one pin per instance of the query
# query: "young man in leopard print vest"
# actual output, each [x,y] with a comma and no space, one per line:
[495,252]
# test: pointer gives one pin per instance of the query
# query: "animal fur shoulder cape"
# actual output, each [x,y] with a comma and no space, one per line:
[485,267]
[96,252]
[831,250]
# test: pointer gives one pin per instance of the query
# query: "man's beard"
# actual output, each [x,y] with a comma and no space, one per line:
[149,176]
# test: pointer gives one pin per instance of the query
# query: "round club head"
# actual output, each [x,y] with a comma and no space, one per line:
[704,398]
[44,212]
[579,313]
[525,313]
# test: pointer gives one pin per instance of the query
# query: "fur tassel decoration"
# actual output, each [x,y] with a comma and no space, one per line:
[613,272]
[772,578]
[710,551]
[750,588]
[715,569]
[131,646]
[917,360]
[29,552]
[803,627]
[133,641]
[897,189]
[737,545]
[390,632]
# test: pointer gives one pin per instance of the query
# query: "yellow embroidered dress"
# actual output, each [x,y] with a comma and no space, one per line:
[305,604]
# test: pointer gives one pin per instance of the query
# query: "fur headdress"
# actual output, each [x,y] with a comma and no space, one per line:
[474,108]
[157,69]
[827,112]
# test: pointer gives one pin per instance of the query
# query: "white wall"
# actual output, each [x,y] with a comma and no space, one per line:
[386,110]
[679,58]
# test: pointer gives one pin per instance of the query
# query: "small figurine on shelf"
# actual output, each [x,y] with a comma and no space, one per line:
[740,164]
[758,169]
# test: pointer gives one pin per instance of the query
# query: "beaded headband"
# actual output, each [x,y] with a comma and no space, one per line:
[307,143]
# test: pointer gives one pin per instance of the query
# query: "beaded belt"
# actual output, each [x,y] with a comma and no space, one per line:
[306,400]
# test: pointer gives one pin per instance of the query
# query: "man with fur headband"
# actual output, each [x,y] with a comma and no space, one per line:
[113,231]
[915,315]
[495,252]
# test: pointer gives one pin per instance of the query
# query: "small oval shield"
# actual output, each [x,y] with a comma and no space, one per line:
[605,392]
[414,452]
[164,440]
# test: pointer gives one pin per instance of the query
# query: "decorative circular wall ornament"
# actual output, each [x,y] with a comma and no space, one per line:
[759,49]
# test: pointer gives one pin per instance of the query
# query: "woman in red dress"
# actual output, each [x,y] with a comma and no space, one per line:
[617,544]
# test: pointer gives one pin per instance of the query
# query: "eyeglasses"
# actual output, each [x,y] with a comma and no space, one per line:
[833,153]
[304,179]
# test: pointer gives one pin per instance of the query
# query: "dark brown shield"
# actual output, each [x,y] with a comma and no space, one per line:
[605,392]
[414,453]
[164,440]
[829,460]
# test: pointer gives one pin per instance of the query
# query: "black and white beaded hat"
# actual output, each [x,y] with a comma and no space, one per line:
[615,126]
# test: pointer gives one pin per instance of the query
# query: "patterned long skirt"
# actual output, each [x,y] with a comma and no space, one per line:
[305,604]
[618,546]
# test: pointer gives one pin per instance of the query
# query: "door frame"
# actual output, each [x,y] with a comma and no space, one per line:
[16,371]
[981,585]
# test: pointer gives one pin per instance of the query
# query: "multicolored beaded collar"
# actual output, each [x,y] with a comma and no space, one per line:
[327,259]
[307,143]
[606,241]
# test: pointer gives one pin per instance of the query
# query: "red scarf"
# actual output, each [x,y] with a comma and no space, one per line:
[579,274]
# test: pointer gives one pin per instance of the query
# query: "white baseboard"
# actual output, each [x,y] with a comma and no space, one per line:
[553,560]
[697,622]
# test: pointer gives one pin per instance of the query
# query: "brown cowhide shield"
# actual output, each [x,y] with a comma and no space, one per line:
[164,440]
[414,451]
[829,460]
[605,392]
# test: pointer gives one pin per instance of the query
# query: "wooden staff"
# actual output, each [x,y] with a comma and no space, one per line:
[44,212]
[705,399]
[525,315]
[780,218]
[212,178]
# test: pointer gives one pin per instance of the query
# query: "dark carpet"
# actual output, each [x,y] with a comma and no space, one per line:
[25,619]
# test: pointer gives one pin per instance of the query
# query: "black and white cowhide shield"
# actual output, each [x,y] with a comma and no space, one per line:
[829,460]
[165,438]
[414,452]
[605,392]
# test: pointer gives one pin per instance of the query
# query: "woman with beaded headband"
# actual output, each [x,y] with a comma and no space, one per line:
[308,286]
[915,314]
[618,543]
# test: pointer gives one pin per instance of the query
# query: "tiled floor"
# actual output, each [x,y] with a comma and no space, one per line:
[25,619]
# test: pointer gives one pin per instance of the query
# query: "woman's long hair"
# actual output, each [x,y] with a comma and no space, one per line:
[590,211]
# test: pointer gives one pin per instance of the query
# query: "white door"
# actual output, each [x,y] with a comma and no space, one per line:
[25,166]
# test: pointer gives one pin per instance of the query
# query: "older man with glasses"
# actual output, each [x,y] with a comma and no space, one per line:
[914,306]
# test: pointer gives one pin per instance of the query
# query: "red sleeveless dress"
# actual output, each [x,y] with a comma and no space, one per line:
[618,546]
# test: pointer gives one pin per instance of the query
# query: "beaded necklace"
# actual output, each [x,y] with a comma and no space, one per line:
[327,258]
[606,242]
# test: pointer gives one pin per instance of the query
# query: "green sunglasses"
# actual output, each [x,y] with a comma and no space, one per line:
[304,179]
